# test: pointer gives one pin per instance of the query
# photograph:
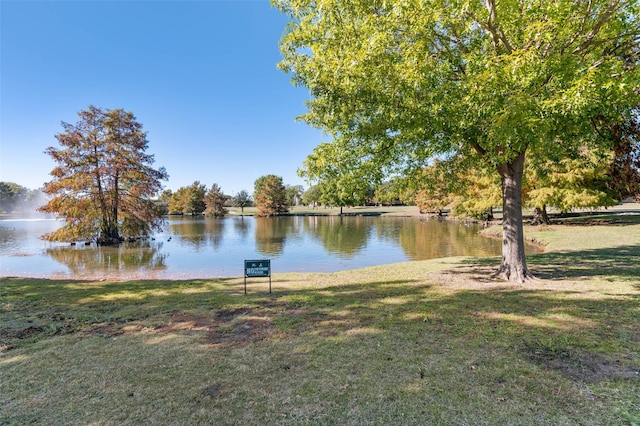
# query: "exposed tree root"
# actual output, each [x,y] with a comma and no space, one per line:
[514,275]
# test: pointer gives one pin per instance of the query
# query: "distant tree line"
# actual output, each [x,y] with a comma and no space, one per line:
[196,199]
[16,199]
[270,196]
[326,194]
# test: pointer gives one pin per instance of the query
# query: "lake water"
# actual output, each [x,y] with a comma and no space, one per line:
[197,247]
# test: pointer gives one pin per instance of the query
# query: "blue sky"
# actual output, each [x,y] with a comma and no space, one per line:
[200,76]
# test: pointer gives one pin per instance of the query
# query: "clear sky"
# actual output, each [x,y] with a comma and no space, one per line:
[200,76]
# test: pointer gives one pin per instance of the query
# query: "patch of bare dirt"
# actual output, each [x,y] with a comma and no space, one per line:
[229,314]
[243,326]
[212,391]
[476,278]
[8,333]
[232,327]
[241,333]
[182,321]
[107,330]
[113,330]
[225,327]
[578,364]
[8,336]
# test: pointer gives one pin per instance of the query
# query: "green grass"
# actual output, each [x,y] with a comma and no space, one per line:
[431,342]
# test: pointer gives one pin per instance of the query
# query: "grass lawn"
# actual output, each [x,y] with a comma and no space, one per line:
[430,342]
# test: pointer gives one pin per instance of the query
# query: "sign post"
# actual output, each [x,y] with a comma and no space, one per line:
[257,269]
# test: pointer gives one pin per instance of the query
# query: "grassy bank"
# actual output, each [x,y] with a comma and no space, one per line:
[431,342]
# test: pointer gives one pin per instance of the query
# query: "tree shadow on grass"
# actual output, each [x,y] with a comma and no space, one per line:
[31,309]
[40,308]
[614,263]
[618,262]
[549,315]
[410,340]
[73,290]
[631,217]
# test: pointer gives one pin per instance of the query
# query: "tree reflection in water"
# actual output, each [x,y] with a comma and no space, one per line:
[435,237]
[272,233]
[204,247]
[189,231]
[214,231]
[199,232]
[338,234]
[241,227]
[126,259]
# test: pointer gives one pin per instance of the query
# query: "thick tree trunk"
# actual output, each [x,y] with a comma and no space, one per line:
[514,263]
[489,216]
[540,216]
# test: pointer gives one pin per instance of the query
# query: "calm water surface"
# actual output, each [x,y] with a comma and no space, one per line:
[206,247]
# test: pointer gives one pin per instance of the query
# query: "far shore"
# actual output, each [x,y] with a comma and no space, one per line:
[413,211]
[627,207]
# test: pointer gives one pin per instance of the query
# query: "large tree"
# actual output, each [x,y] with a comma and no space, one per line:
[242,199]
[396,83]
[572,183]
[214,200]
[189,199]
[345,179]
[346,192]
[625,167]
[104,182]
[294,194]
[312,196]
[270,196]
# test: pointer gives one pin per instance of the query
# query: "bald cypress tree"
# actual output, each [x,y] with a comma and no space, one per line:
[104,181]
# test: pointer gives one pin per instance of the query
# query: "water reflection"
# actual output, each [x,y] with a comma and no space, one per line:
[338,234]
[241,228]
[123,260]
[190,232]
[191,247]
[199,233]
[434,238]
[272,233]
[214,231]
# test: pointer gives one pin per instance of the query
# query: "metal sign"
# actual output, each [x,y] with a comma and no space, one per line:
[257,269]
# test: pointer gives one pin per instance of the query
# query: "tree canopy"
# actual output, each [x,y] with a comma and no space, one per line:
[313,195]
[270,196]
[396,84]
[242,199]
[294,194]
[103,183]
[188,199]
[625,167]
[214,200]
